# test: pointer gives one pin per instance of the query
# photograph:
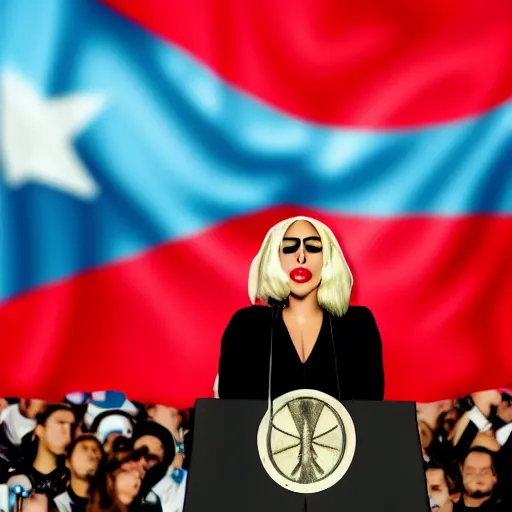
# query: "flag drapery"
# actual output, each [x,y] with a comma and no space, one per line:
[147,147]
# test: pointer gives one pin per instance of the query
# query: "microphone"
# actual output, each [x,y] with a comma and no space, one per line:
[277,304]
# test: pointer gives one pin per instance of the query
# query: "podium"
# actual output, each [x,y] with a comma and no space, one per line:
[226,473]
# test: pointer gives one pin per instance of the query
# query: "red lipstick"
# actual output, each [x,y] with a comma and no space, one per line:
[300,275]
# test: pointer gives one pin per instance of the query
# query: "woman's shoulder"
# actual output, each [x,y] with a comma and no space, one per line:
[358,313]
[246,325]
[252,313]
[358,320]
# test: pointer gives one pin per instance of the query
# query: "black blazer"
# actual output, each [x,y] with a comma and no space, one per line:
[347,365]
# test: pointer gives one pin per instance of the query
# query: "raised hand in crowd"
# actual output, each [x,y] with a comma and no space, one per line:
[485,400]
[31,408]
[504,411]
[168,417]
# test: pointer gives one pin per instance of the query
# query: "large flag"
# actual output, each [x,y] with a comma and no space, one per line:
[147,147]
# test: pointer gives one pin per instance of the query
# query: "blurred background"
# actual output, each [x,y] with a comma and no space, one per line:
[147,147]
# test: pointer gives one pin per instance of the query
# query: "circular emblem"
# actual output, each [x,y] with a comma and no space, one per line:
[310,443]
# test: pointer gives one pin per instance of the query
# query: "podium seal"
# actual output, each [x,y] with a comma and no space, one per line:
[309,443]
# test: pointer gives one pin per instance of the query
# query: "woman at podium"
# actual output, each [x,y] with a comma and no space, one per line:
[305,335]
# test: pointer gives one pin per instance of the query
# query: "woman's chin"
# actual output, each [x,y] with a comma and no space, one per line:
[301,291]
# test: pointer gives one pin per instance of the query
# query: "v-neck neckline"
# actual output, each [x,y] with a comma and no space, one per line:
[288,335]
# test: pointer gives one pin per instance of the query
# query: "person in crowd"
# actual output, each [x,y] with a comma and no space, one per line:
[169,417]
[17,424]
[116,488]
[468,455]
[111,424]
[173,420]
[479,479]
[52,436]
[310,336]
[79,411]
[163,481]
[19,418]
[83,461]
[473,434]
[487,426]
[436,423]
[109,414]
[441,488]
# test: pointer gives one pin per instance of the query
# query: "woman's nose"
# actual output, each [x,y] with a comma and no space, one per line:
[301,258]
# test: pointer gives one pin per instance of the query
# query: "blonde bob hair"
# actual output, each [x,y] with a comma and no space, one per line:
[267,279]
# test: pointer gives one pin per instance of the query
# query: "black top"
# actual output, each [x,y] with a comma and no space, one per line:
[355,345]
[77,503]
[51,484]
[491,505]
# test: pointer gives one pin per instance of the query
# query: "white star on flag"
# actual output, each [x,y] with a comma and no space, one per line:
[36,137]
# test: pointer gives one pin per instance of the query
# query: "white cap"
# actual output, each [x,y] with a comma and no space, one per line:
[114,423]
[93,411]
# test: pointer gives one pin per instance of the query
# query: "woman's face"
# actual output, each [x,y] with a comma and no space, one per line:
[127,482]
[301,258]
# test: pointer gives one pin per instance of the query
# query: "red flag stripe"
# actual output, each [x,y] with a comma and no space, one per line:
[151,326]
[368,63]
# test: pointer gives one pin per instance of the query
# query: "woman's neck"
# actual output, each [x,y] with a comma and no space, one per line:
[304,307]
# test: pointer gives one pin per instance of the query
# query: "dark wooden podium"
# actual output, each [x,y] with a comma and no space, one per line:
[226,473]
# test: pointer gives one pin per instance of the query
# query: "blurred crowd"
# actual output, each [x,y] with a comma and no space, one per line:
[102,452]
[94,452]
[467,451]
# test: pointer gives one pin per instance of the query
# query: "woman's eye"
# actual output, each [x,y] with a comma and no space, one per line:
[290,249]
[313,248]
